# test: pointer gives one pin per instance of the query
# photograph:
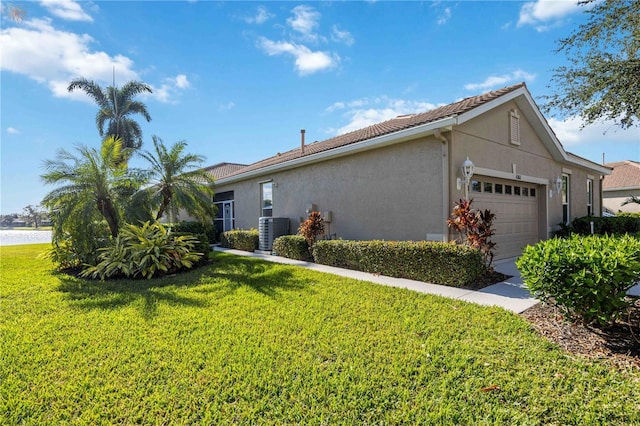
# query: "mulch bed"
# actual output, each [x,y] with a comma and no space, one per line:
[619,344]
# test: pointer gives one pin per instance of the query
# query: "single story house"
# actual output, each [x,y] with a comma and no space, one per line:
[399,179]
[620,185]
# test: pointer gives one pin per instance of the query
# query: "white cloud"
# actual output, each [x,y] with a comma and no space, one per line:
[53,57]
[545,14]
[340,36]
[227,106]
[306,60]
[569,133]
[365,112]
[168,90]
[305,21]
[181,81]
[262,15]
[13,131]
[496,81]
[67,9]
[444,16]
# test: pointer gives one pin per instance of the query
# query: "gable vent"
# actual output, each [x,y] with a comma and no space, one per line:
[514,122]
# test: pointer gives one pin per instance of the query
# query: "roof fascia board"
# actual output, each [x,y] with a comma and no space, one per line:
[368,144]
[621,188]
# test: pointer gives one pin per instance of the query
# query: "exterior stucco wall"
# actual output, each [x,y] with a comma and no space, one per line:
[613,200]
[391,193]
[486,141]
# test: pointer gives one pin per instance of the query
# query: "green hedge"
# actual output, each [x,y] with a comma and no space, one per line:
[197,228]
[587,277]
[292,247]
[240,239]
[615,225]
[428,261]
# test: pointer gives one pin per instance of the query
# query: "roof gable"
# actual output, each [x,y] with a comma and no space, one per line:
[400,128]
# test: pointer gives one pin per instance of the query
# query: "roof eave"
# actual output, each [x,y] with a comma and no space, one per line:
[366,145]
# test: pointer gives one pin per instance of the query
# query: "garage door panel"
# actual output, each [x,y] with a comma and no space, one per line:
[516,221]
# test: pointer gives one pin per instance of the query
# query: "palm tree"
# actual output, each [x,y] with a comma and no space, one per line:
[116,105]
[631,200]
[94,185]
[176,182]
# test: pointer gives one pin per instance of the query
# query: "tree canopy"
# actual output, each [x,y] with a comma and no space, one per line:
[602,78]
[116,105]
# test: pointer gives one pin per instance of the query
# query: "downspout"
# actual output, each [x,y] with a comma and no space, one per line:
[445,182]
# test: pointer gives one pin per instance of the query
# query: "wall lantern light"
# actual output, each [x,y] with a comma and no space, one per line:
[467,173]
[557,185]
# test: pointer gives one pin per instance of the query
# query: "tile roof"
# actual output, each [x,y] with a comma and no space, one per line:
[625,174]
[386,127]
[223,169]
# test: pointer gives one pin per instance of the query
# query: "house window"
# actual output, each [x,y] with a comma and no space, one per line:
[514,121]
[488,187]
[589,197]
[498,188]
[565,199]
[516,190]
[532,192]
[475,186]
[267,198]
[507,189]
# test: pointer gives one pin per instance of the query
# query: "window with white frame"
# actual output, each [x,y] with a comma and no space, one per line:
[566,217]
[589,197]
[266,189]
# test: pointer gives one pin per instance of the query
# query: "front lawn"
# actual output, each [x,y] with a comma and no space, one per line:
[244,341]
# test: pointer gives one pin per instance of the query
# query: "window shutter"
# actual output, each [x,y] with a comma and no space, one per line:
[514,120]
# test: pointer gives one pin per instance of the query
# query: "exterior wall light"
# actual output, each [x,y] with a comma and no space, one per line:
[467,173]
[558,184]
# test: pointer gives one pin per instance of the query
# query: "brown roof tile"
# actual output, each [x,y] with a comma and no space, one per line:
[625,174]
[380,129]
[221,170]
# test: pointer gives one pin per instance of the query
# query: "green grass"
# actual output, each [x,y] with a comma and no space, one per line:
[249,342]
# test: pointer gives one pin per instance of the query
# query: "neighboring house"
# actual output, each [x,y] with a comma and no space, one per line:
[621,184]
[398,180]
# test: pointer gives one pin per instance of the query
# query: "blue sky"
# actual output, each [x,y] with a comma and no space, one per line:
[238,80]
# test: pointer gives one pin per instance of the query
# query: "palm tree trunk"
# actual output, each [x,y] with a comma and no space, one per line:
[109,213]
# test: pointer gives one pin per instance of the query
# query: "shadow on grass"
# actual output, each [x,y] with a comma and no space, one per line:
[224,276]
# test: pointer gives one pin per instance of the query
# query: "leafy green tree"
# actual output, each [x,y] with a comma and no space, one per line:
[176,181]
[116,106]
[34,214]
[601,79]
[94,185]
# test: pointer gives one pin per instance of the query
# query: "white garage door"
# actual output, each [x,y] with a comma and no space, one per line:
[515,205]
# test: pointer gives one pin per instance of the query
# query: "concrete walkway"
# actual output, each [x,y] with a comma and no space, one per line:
[510,294]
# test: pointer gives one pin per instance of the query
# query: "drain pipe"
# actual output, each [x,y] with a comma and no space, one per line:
[445,182]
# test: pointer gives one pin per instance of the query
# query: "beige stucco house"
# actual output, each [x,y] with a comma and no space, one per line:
[620,185]
[399,179]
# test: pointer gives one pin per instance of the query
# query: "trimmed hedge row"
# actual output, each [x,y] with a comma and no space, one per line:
[615,225]
[587,277]
[428,261]
[196,228]
[292,247]
[240,239]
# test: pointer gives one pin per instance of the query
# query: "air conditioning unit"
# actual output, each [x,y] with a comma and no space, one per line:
[270,228]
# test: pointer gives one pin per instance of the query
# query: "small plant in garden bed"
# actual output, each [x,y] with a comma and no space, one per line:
[474,227]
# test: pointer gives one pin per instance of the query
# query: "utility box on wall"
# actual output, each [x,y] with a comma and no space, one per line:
[270,228]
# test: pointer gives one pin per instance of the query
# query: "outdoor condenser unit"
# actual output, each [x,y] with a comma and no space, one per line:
[270,228]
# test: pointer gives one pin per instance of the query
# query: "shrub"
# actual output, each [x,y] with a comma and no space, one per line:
[587,277]
[616,225]
[144,251]
[311,228]
[195,228]
[240,239]
[429,261]
[292,247]
[475,228]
